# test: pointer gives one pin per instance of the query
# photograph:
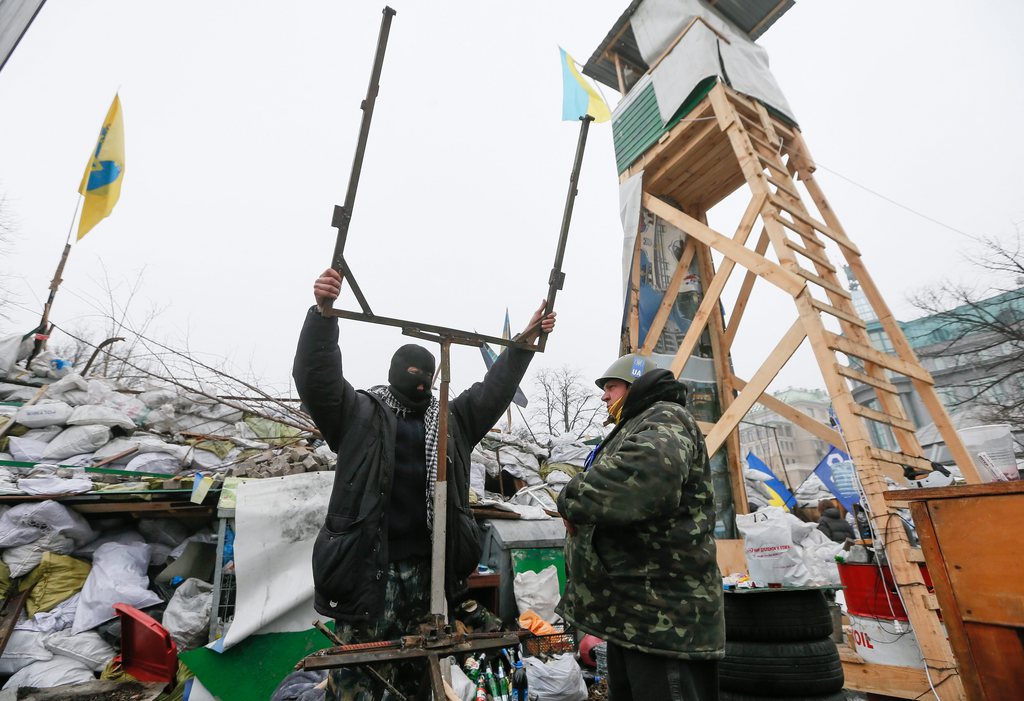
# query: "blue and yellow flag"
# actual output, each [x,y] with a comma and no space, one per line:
[780,495]
[579,98]
[101,183]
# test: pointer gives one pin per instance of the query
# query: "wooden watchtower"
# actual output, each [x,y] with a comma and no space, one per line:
[701,118]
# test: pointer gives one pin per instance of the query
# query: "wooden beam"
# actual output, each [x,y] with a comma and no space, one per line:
[807,423]
[744,295]
[618,73]
[806,218]
[756,387]
[865,379]
[871,355]
[882,418]
[838,313]
[817,256]
[772,272]
[668,299]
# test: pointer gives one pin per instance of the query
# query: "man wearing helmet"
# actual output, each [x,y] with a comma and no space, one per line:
[640,554]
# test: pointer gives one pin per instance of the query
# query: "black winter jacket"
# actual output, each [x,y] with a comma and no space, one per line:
[835,526]
[350,555]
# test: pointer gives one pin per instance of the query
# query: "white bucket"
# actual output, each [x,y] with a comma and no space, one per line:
[884,641]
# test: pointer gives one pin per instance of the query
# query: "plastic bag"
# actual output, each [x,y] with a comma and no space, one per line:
[41,415]
[26,449]
[22,559]
[772,553]
[558,680]
[76,440]
[820,558]
[159,463]
[59,617]
[72,389]
[118,576]
[187,617]
[538,591]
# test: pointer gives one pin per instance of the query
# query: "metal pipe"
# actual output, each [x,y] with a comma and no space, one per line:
[437,552]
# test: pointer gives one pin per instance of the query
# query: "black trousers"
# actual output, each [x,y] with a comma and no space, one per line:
[641,676]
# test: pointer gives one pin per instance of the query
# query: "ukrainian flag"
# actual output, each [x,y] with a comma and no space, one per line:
[101,184]
[578,97]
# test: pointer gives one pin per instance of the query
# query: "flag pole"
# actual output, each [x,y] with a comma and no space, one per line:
[42,333]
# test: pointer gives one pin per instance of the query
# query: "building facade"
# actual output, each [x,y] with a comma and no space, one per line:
[783,446]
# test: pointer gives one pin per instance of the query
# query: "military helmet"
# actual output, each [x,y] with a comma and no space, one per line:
[627,368]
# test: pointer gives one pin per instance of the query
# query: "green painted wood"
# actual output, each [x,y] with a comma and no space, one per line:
[253,668]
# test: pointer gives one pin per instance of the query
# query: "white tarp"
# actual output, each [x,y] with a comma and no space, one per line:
[276,521]
[656,24]
[630,193]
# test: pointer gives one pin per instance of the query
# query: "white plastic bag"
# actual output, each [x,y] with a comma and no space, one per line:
[187,617]
[538,591]
[558,680]
[118,576]
[159,463]
[93,414]
[24,648]
[820,558]
[70,388]
[773,557]
[59,617]
[89,648]
[26,449]
[42,415]
[76,440]
[53,672]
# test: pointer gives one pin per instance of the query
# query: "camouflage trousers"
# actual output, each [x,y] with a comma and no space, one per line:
[406,605]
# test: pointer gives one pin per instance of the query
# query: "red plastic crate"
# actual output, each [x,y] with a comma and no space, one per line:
[870,590]
[147,651]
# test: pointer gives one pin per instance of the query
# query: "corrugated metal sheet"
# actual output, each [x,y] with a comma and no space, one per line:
[753,17]
[15,17]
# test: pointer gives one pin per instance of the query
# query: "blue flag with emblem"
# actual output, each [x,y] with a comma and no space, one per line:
[781,496]
[838,474]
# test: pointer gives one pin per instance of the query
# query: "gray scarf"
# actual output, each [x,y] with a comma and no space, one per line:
[430,423]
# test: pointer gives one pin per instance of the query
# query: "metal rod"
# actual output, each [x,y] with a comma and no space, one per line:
[343,214]
[40,343]
[101,346]
[437,553]
[557,277]
[415,328]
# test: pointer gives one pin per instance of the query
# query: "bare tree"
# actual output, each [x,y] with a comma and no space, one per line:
[565,404]
[980,325]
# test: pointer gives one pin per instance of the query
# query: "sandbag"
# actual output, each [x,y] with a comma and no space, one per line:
[24,648]
[59,618]
[12,349]
[118,576]
[187,616]
[41,415]
[168,531]
[159,463]
[87,551]
[70,388]
[26,449]
[76,440]
[25,523]
[43,435]
[560,679]
[55,579]
[5,579]
[92,414]
[22,559]
[53,672]
[89,648]
[538,591]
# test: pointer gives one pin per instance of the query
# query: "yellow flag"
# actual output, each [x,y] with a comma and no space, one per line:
[101,183]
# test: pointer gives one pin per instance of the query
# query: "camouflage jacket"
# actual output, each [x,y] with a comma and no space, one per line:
[641,569]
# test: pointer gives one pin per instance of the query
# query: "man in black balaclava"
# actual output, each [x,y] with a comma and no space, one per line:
[371,560]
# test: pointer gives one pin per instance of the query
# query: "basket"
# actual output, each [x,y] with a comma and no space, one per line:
[550,644]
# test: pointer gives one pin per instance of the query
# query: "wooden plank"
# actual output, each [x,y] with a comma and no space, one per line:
[668,299]
[883,418]
[816,256]
[770,271]
[822,282]
[960,491]
[871,355]
[743,297]
[806,218]
[848,317]
[858,376]
[731,555]
[679,134]
[899,682]
[779,356]
[898,458]
[953,619]
[807,423]
[653,176]
[785,187]
[804,232]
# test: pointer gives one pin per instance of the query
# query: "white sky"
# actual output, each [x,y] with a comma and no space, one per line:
[241,119]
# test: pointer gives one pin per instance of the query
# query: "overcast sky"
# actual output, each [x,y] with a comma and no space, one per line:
[241,119]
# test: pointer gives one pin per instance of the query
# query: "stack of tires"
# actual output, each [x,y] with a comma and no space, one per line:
[778,647]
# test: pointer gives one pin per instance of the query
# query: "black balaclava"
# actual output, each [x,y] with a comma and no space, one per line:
[403,383]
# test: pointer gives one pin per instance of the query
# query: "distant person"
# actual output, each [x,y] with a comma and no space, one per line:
[832,524]
[641,569]
[371,559]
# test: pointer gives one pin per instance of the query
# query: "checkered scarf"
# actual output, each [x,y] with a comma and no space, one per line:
[430,423]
